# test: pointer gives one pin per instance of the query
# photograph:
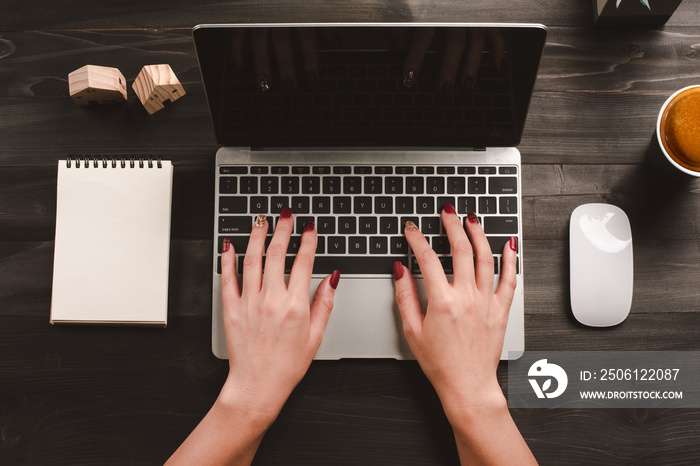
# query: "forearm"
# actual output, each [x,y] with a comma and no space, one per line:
[486,434]
[229,434]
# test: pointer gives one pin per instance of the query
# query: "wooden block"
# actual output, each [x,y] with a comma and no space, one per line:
[157,85]
[94,84]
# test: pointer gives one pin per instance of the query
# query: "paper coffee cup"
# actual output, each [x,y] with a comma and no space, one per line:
[678,130]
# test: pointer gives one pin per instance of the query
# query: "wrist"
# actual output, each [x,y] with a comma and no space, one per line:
[473,405]
[249,406]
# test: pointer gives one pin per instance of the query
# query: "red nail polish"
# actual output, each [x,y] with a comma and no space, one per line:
[286,212]
[227,245]
[398,270]
[513,243]
[449,208]
[335,278]
[309,226]
[471,216]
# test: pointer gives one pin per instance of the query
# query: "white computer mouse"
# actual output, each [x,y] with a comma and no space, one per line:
[600,251]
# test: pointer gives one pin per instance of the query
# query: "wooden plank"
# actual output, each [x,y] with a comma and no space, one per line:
[93,395]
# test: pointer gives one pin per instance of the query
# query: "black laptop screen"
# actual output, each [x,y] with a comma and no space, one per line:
[360,86]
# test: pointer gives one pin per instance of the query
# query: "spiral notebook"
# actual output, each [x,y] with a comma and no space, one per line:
[112,245]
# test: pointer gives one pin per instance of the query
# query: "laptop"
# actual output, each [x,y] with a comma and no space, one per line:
[357,127]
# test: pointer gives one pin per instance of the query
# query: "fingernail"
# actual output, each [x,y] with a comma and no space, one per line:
[227,245]
[449,208]
[260,220]
[286,212]
[409,79]
[471,216]
[513,243]
[335,278]
[263,83]
[411,226]
[398,270]
[309,226]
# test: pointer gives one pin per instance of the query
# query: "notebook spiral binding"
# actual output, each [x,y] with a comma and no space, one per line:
[86,161]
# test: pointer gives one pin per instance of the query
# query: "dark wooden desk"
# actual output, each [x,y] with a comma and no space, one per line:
[117,395]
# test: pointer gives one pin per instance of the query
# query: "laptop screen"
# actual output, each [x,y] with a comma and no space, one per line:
[452,86]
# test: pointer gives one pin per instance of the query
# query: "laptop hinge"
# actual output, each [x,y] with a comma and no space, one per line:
[480,149]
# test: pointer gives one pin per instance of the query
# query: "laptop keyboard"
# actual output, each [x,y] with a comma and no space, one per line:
[360,211]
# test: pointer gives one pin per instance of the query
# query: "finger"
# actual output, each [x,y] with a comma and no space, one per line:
[309,51]
[482,253]
[322,306]
[229,283]
[462,251]
[430,266]
[420,42]
[277,250]
[407,301]
[261,58]
[252,263]
[300,278]
[506,286]
[472,59]
[282,43]
[497,43]
[238,43]
[454,46]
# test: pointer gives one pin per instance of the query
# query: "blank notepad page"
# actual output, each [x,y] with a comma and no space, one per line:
[112,242]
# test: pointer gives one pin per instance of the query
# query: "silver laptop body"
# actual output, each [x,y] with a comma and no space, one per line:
[365,322]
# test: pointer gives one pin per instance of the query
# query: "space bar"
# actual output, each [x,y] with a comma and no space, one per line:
[348,265]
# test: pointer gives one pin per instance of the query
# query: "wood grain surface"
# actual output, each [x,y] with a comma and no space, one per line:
[78,396]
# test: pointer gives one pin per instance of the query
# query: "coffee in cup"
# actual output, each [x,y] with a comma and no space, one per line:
[678,130]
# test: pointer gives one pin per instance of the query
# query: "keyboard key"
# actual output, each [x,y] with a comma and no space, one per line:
[347,225]
[425,205]
[456,185]
[425,170]
[279,170]
[301,221]
[357,245]
[445,170]
[383,205]
[503,185]
[508,170]
[404,205]
[388,225]
[321,170]
[342,205]
[368,225]
[239,243]
[235,224]
[383,170]
[404,170]
[398,245]
[249,185]
[430,225]
[476,185]
[237,170]
[300,205]
[325,225]
[227,185]
[409,219]
[278,203]
[321,205]
[331,185]
[466,204]
[352,185]
[336,245]
[299,170]
[497,243]
[290,185]
[373,185]
[258,205]
[362,205]
[487,205]
[310,185]
[259,170]
[487,170]
[435,185]
[442,200]
[233,205]
[354,265]
[440,244]
[362,170]
[269,185]
[342,170]
[466,170]
[508,205]
[501,225]
[414,185]
[393,185]
[378,245]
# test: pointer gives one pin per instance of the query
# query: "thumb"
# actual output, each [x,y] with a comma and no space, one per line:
[322,306]
[407,300]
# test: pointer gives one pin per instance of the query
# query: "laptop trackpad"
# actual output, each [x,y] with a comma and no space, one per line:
[365,322]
